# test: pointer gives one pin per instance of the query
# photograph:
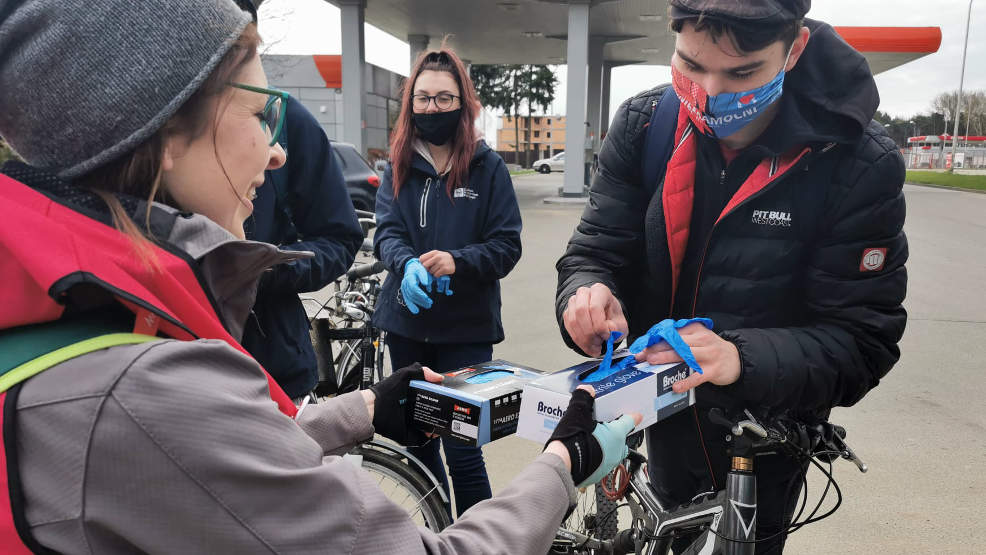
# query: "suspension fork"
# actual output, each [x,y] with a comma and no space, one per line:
[368,355]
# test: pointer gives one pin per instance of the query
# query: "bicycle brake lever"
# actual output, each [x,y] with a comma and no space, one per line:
[716,416]
[849,455]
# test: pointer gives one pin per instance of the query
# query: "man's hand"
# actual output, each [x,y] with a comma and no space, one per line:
[438,263]
[718,358]
[592,313]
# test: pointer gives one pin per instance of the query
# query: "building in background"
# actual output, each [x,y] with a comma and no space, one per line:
[934,152]
[543,136]
[316,80]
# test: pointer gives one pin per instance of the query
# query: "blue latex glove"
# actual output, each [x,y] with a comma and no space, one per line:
[612,438]
[444,285]
[416,281]
[667,330]
[606,365]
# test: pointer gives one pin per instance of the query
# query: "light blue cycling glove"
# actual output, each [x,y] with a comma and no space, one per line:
[444,285]
[594,448]
[416,281]
[612,438]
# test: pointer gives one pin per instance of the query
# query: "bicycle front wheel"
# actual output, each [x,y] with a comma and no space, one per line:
[406,487]
[595,515]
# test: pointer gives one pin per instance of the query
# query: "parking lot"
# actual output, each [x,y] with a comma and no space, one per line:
[922,431]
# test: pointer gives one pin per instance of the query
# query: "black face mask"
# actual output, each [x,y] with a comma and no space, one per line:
[437,127]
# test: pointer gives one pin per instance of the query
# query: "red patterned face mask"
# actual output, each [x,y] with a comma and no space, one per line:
[722,115]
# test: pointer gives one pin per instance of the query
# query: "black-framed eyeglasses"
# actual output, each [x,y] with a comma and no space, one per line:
[272,118]
[443,101]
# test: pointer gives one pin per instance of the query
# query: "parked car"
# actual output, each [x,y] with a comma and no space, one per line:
[361,180]
[554,164]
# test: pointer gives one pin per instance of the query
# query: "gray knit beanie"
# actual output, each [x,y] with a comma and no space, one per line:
[82,83]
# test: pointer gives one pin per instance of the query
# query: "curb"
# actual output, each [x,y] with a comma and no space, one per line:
[933,186]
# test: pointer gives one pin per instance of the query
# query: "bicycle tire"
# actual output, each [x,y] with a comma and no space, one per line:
[595,515]
[406,486]
[349,365]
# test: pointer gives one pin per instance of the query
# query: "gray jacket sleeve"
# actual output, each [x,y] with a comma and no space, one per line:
[176,447]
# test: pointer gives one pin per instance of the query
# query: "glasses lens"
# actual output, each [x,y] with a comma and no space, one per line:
[421,101]
[272,117]
[444,101]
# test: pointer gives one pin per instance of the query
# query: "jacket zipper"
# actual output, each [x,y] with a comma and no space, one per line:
[434,229]
[708,241]
[423,206]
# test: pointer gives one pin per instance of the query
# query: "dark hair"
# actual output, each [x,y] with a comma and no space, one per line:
[138,174]
[745,38]
[464,140]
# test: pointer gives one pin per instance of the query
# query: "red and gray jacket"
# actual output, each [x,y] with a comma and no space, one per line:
[795,249]
[174,446]
[58,259]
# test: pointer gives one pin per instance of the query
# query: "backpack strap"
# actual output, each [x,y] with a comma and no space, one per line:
[29,350]
[659,140]
[26,351]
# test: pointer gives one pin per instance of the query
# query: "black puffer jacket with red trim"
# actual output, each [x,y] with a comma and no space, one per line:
[783,274]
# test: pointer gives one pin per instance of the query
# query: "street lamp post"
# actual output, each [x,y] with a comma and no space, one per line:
[958,103]
[915,127]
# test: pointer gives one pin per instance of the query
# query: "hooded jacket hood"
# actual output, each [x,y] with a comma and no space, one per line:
[830,96]
[423,161]
[81,241]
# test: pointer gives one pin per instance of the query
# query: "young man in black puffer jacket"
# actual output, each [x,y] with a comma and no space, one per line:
[779,216]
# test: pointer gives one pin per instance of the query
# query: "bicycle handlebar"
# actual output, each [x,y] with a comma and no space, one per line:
[823,440]
[365,271]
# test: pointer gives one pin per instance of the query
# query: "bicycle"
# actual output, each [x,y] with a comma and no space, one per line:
[724,521]
[348,349]
[359,362]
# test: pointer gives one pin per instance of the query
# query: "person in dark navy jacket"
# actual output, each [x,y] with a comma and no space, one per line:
[304,206]
[448,229]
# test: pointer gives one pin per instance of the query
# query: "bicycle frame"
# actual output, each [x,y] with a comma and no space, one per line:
[656,526]
[725,521]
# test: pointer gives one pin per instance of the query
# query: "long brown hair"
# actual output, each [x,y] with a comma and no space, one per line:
[464,139]
[138,174]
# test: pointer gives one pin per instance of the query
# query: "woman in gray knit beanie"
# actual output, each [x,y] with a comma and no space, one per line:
[133,421]
[120,97]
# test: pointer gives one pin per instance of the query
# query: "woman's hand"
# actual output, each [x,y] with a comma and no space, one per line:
[390,395]
[589,450]
[438,263]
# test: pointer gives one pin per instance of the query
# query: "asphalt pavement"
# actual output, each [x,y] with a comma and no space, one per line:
[922,431]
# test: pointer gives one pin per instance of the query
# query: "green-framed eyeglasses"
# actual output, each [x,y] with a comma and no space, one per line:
[273,116]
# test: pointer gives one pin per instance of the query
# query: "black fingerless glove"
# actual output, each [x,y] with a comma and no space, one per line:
[392,410]
[574,430]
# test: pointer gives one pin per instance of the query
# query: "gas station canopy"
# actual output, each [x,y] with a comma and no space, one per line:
[589,36]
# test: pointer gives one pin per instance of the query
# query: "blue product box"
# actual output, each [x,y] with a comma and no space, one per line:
[475,405]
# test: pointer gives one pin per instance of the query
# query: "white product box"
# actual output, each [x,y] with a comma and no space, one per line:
[642,388]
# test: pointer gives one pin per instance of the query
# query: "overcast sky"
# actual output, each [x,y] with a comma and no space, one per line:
[312,27]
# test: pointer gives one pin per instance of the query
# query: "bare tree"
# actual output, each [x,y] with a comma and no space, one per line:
[277,12]
[944,104]
[976,114]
